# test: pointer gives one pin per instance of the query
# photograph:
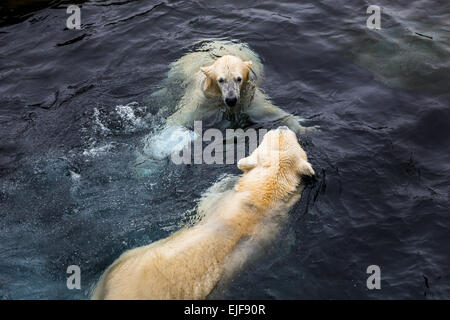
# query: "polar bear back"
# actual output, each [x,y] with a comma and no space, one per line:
[186,265]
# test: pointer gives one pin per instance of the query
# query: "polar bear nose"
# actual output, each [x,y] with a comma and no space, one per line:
[231,102]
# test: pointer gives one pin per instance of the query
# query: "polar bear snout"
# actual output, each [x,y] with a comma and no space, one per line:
[230,90]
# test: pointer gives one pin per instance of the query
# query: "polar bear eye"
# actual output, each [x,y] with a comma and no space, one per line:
[238,79]
[220,80]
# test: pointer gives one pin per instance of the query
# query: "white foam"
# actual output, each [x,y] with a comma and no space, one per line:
[170,139]
[98,151]
[75,176]
[104,130]
[126,113]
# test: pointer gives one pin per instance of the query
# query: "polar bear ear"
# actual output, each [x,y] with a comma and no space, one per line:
[248,64]
[207,70]
[246,164]
[305,168]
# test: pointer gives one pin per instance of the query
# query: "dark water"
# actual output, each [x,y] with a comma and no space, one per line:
[74,107]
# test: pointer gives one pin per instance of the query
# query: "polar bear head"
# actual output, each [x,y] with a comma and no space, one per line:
[226,76]
[280,152]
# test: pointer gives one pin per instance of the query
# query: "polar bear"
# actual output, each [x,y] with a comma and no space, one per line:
[224,76]
[190,263]
[217,83]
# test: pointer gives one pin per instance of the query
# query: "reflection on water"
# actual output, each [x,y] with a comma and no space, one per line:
[411,51]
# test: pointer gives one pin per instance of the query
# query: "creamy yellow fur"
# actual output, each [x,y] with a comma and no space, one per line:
[227,67]
[189,263]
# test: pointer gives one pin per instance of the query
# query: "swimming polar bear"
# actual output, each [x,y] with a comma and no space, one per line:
[219,84]
[190,263]
[224,76]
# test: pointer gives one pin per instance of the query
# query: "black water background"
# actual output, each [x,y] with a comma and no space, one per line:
[381,195]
